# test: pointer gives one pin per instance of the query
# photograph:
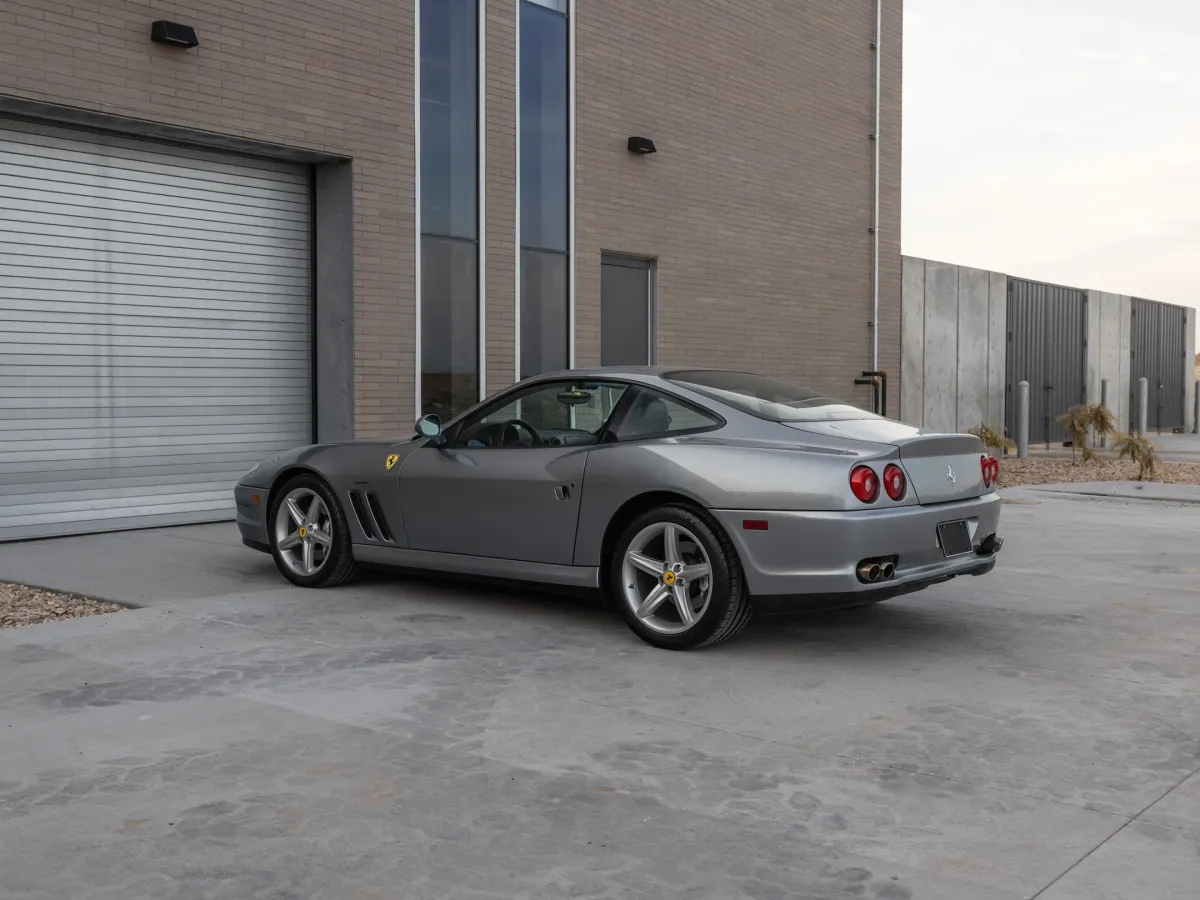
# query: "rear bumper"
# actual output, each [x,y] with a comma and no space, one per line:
[814,555]
[767,604]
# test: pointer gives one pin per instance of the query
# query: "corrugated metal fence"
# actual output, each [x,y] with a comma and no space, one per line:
[1158,352]
[1047,340]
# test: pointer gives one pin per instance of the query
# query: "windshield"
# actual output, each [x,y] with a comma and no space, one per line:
[768,399]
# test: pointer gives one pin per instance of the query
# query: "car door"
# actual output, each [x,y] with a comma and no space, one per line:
[508,481]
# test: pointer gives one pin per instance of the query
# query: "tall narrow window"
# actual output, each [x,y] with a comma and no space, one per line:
[449,206]
[545,174]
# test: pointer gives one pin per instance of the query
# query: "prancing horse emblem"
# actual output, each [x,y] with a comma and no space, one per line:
[950,476]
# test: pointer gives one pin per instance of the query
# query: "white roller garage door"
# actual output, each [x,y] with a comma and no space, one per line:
[155,329]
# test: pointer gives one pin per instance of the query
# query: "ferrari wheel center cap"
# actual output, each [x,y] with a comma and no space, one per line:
[669,577]
[303,532]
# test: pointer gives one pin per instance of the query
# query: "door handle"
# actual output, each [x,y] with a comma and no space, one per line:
[562,492]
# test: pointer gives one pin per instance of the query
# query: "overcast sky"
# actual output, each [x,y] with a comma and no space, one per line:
[1057,140]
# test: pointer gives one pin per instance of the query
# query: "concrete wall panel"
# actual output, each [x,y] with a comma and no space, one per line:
[1092,351]
[954,345]
[941,346]
[912,342]
[973,320]
[1124,315]
[997,348]
[1105,308]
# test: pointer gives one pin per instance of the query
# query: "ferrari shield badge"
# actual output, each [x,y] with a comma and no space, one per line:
[391,461]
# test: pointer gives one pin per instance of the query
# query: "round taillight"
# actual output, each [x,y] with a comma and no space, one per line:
[864,483]
[894,482]
[991,470]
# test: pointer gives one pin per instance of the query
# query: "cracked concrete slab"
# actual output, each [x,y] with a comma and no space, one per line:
[1030,731]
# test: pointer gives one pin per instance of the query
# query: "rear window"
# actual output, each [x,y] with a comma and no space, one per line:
[768,399]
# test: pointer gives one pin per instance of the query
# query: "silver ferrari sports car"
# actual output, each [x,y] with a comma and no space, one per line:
[690,498]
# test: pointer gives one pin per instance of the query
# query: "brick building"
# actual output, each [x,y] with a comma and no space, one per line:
[330,215]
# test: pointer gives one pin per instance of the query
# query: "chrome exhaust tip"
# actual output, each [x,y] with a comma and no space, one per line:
[869,572]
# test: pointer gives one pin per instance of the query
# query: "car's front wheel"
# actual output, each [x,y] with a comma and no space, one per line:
[678,581]
[310,539]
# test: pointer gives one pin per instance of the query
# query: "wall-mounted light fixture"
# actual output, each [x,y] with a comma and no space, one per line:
[642,145]
[174,34]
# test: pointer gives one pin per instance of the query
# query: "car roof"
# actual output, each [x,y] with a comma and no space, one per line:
[636,372]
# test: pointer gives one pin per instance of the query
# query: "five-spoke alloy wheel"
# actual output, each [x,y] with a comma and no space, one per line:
[302,531]
[309,537]
[677,580]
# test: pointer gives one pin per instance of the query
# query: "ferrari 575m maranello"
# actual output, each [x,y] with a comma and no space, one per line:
[690,499]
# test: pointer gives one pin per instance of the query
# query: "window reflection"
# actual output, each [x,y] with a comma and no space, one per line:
[545,174]
[449,206]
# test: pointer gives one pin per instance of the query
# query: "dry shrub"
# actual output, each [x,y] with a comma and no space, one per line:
[1138,448]
[991,438]
[1085,421]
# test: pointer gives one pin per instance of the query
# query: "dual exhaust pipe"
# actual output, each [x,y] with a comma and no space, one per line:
[871,571]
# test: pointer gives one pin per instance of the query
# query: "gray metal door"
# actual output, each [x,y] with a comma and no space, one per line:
[1047,341]
[155,335]
[627,314]
[1158,352]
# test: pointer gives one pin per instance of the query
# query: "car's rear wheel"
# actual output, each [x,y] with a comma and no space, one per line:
[677,580]
[309,536]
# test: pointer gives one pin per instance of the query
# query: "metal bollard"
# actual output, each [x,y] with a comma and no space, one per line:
[1196,411]
[1022,420]
[1143,409]
[1104,403]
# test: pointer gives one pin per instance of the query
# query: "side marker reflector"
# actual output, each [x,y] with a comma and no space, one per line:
[754,524]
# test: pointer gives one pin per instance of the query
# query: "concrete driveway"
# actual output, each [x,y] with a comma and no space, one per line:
[1033,733]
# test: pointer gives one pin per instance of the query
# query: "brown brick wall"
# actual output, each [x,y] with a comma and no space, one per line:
[757,204]
[501,193]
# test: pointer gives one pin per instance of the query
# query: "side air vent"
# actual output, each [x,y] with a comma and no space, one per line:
[371,519]
[356,502]
[380,522]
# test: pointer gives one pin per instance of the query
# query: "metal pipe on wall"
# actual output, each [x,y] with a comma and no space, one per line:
[875,214]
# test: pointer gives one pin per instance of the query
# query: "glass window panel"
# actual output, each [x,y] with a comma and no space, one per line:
[449,326]
[769,399]
[561,413]
[544,137]
[653,414]
[543,312]
[557,5]
[449,118]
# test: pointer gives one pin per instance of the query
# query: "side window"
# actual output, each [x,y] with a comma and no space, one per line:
[555,414]
[653,415]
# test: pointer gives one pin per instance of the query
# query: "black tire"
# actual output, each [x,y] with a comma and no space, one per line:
[339,566]
[728,609]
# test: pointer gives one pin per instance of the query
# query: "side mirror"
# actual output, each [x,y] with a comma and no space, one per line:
[429,426]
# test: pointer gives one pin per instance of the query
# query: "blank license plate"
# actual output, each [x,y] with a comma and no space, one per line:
[955,538]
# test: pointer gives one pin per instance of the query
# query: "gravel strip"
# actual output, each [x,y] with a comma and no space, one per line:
[22,605]
[1047,470]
